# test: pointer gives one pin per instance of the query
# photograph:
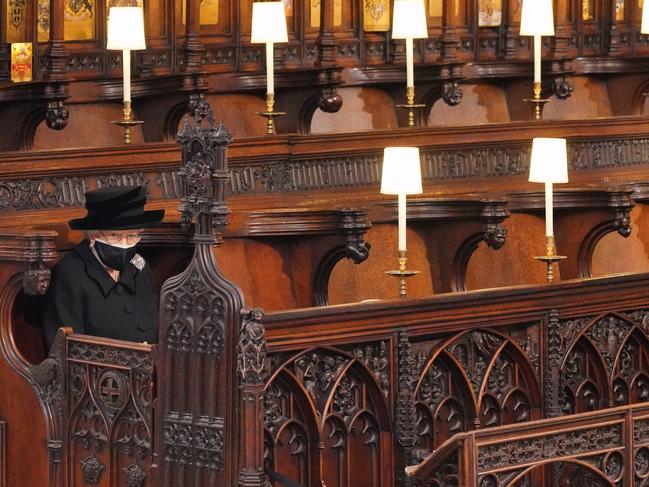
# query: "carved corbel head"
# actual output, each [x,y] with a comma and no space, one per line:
[330,100]
[57,115]
[36,279]
[622,222]
[356,224]
[563,88]
[495,235]
[452,93]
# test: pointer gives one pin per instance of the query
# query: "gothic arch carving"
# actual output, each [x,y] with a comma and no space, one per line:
[604,359]
[338,403]
[489,379]
[583,379]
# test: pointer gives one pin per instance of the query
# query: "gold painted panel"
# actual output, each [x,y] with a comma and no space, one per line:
[489,13]
[314,13]
[588,9]
[43,20]
[16,20]
[79,20]
[21,62]
[376,15]
[619,10]
[209,12]
[435,8]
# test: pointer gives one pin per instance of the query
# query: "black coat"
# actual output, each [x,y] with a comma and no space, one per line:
[84,297]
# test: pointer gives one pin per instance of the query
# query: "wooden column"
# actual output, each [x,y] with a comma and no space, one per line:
[562,30]
[252,373]
[192,46]
[56,53]
[450,38]
[326,41]
[615,40]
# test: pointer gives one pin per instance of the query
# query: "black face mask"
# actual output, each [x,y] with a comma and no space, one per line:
[114,257]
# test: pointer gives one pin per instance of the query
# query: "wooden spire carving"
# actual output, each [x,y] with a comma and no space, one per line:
[200,421]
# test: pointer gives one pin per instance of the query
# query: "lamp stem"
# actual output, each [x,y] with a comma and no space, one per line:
[126,66]
[402,223]
[537,58]
[410,69]
[270,75]
[549,211]
[403,273]
[403,262]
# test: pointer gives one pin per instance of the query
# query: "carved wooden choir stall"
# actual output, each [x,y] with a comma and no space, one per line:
[284,357]
[530,385]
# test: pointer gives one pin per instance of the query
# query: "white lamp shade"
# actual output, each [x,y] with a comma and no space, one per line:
[125,29]
[537,18]
[549,161]
[409,20]
[644,28]
[268,23]
[401,171]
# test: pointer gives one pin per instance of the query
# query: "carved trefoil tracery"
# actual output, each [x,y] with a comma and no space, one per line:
[194,441]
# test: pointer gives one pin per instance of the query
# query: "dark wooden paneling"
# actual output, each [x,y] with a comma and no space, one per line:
[280,171]
[3,454]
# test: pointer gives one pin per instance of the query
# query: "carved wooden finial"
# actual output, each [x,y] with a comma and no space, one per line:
[204,173]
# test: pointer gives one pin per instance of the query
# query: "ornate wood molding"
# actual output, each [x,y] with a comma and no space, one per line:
[284,173]
[108,393]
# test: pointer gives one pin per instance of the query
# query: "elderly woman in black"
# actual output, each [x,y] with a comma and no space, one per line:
[103,287]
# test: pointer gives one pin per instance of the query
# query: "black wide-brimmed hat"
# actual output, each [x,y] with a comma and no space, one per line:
[119,208]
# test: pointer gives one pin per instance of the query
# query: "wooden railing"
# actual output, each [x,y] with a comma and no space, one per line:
[606,447]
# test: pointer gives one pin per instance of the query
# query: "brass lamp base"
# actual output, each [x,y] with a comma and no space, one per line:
[550,257]
[127,122]
[270,113]
[538,102]
[411,106]
[402,273]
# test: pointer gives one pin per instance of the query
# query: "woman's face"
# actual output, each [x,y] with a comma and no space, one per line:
[120,238]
